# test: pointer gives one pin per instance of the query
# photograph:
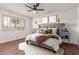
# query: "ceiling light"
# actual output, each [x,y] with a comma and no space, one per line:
[34,12]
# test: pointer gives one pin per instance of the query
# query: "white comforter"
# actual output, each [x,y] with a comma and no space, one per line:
[54,43]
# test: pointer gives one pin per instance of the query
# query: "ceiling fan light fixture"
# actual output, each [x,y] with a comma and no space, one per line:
[34,12]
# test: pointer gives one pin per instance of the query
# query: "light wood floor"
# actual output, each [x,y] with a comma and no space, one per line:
[12,48]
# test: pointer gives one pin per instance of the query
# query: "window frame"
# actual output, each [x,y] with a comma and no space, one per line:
[51,16]
[14,28]
[48,20]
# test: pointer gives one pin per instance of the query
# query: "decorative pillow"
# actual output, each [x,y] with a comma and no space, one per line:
[49,31]
[54,30]
[40,31]
[34,30]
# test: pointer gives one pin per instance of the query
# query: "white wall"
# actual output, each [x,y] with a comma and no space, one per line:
[6,36]
[69,17]
[78,22]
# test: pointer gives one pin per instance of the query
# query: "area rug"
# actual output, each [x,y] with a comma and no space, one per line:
[35,50]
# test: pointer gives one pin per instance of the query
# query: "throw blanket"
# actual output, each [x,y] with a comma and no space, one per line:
[41,39]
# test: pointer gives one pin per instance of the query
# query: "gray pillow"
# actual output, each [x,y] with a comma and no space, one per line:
[40,31]
[34,30]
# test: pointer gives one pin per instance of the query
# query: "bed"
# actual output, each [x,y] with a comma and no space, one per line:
[44,39]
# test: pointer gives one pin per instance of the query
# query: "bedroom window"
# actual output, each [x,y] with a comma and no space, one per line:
[13,23]
[44,20]
[49,22]
[52,19]
[20,24]
[6,22]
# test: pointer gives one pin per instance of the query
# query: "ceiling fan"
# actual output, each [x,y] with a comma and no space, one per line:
[34,8]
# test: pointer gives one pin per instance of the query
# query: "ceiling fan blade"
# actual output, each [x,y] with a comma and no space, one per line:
[39,9]
[37,4]
[28,6]
[29,10]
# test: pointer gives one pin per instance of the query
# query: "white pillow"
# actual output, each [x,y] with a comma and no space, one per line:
[54,30]
[41,31]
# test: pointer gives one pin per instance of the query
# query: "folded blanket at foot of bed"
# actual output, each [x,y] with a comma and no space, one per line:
[42,38]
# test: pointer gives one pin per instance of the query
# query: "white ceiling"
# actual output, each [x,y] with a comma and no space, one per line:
[20,8]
